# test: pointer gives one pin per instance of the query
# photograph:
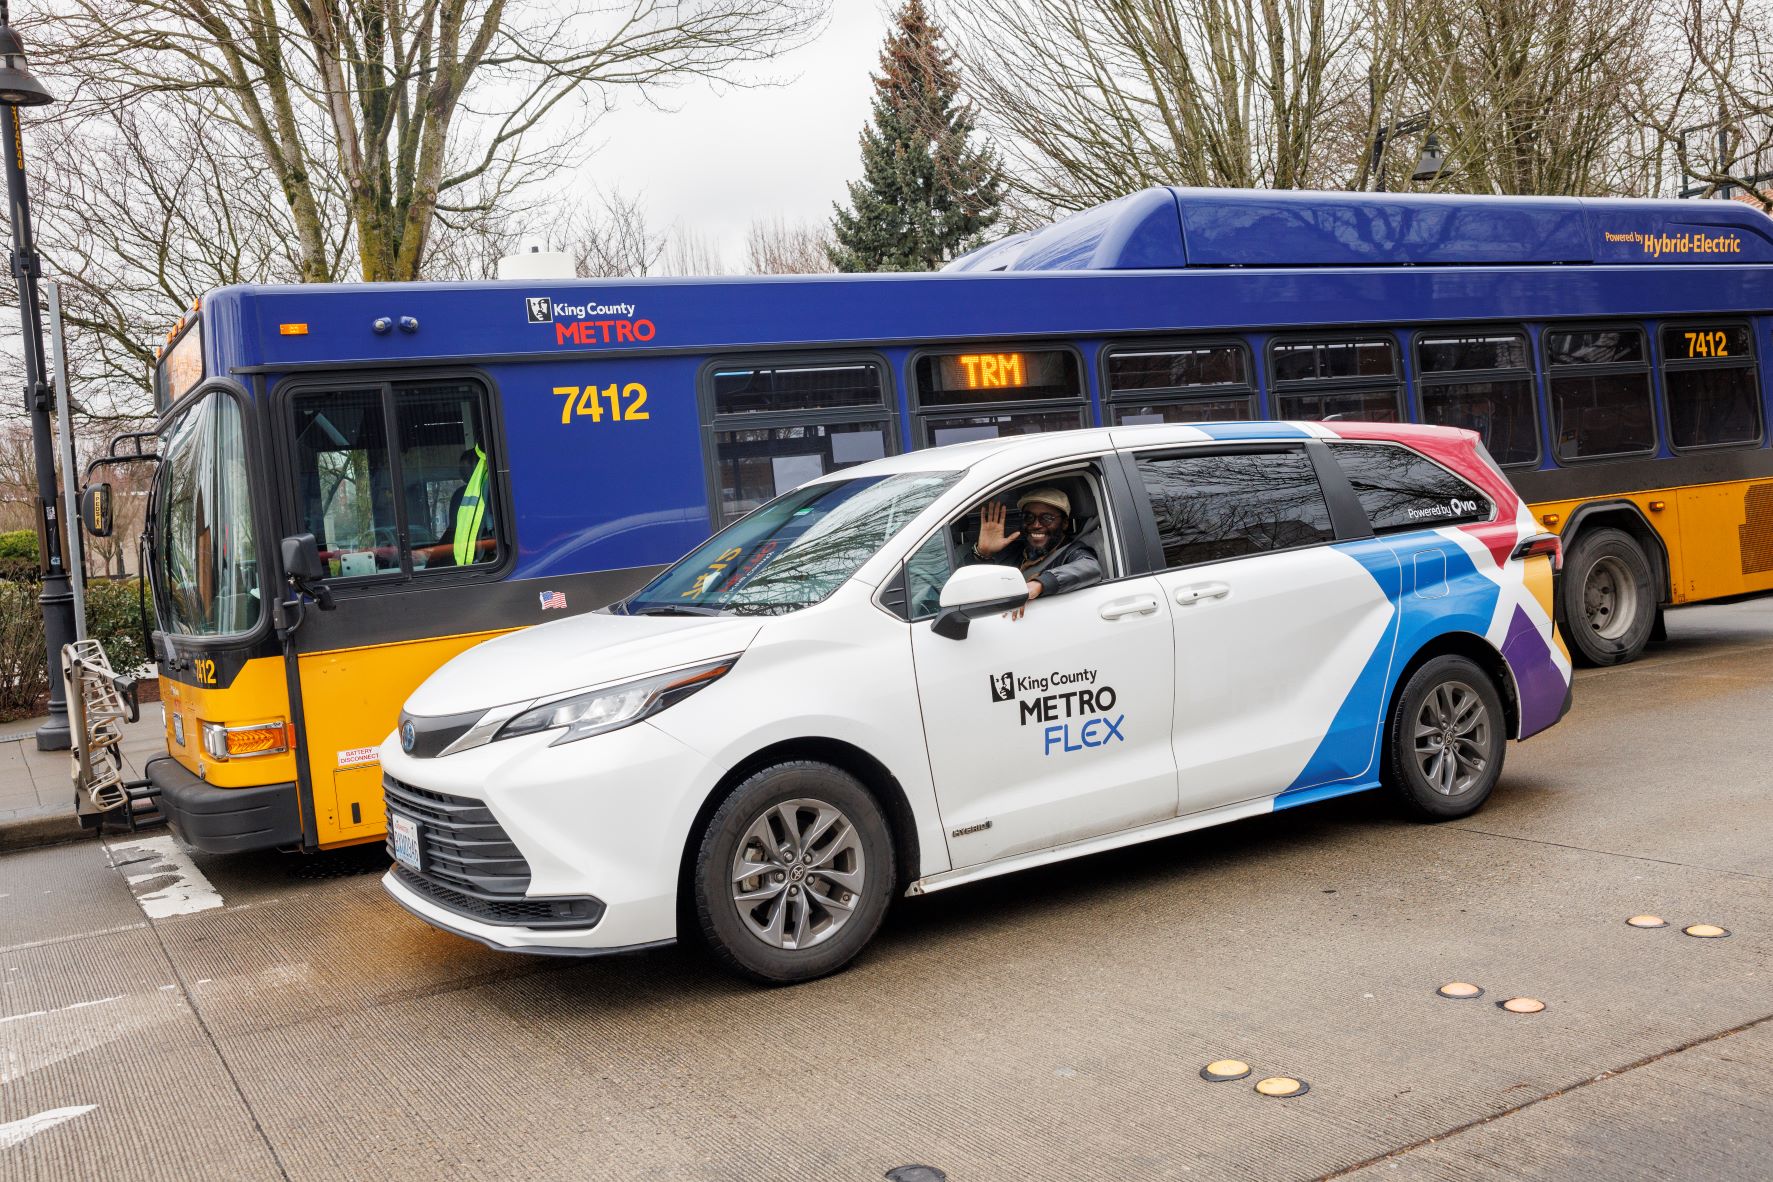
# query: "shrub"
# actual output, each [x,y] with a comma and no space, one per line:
[113,618]
[24,677]
[19,543]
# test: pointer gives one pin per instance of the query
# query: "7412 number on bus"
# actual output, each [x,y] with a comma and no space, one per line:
[589,403]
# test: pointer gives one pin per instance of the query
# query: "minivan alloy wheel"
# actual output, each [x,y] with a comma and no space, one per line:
[798,873]
[1452,738]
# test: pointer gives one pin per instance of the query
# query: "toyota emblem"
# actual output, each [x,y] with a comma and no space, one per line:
[408,736]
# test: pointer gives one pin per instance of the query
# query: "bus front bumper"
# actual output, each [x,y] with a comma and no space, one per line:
[225,820]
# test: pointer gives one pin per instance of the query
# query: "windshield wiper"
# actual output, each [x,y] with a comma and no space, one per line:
[675,609]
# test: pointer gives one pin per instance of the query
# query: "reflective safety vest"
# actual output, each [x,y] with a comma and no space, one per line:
[471,512]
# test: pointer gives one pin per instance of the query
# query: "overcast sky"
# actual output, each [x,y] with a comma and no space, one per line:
[725,156]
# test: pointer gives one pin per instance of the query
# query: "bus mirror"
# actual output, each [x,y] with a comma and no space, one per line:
[95,510]
[301,566]
[301,558]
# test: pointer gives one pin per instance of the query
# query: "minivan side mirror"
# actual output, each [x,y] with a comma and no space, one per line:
[95,510]
[974,591]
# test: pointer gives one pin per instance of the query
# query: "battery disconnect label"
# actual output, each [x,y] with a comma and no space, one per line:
[357,755]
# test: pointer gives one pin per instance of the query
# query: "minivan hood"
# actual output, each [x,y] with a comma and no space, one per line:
[565,655]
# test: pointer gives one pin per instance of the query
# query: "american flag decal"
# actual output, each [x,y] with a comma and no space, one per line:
[553,599]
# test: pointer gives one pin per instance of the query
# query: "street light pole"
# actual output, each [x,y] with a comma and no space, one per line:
[19,89]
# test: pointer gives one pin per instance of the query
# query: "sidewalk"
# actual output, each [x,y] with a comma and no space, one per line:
[37,787]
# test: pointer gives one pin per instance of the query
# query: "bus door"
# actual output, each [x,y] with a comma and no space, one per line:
[398,483]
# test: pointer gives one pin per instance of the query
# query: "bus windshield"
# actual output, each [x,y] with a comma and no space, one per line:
[792,552]
[206,556]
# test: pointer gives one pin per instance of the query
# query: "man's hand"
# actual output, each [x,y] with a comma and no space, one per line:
[1034,590]
[991,540]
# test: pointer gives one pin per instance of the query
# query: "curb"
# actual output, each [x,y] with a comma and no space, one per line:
[29,830]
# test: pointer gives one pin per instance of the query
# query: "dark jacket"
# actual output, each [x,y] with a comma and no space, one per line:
[1071,564]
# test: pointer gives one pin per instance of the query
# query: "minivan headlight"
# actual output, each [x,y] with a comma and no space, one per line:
[598,711]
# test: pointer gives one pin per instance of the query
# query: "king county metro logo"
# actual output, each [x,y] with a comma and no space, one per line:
[540,308]
[1003,687]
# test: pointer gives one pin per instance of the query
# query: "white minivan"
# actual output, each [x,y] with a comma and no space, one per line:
[891,680]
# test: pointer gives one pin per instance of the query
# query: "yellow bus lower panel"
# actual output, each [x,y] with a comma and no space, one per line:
[352,699]
[1719,537]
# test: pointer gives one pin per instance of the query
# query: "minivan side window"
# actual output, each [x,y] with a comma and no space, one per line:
[1211,507]
[1404,490]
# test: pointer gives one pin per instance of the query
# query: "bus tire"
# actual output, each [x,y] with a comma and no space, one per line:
[825,869]
[1607,597]
[1445,740]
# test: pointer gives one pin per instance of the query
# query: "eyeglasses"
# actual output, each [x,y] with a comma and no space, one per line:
[1047,519]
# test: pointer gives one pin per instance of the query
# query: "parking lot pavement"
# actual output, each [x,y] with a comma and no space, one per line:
[280,1018]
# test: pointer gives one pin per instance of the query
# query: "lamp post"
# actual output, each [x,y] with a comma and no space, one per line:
[19,89]
[1428,164]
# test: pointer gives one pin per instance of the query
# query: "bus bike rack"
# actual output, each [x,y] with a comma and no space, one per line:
[99,703]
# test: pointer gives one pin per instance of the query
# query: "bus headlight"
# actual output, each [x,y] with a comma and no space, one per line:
[596,712]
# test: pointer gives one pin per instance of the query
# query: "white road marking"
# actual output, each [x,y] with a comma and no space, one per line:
[79,1005]
[152,859]
[29,1127]
[11,1134]
[30,1042]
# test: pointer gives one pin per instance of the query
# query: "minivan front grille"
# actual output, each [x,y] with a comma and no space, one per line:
[473,867]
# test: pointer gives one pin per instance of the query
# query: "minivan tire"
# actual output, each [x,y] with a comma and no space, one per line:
[1448,710]
[788,806]
[1607,597]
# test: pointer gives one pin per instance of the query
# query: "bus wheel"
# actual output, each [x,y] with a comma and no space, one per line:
[1445,740]
[794,873]
[1607,598]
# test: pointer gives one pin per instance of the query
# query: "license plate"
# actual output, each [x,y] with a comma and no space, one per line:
[406,841]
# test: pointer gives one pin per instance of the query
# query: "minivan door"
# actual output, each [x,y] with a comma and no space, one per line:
[1053,727]
[1283,640]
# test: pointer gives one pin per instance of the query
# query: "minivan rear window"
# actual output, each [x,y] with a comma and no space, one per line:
[1403,490]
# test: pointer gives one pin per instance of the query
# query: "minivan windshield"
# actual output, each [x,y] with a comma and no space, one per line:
[792,552]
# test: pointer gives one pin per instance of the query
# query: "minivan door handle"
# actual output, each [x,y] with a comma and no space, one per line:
[1199,591]
[1132,605]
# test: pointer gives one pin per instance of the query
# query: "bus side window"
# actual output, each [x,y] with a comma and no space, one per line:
[778,425]
[1711,383]
[1354,377]
[1481,380]
[990,391]
[423,502]
[344,480]
[447,472]
[1184,382]
[1599,385]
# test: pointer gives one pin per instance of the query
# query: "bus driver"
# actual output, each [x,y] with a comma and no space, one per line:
[1049,556]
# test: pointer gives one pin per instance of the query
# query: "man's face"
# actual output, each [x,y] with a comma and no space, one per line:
[1042,524]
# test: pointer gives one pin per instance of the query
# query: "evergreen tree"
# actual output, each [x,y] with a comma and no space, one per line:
[926,193]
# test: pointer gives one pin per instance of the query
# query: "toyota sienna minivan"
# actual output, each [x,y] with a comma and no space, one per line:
[883,683]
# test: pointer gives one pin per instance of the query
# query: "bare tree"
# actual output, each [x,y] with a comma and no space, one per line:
[418,108]
[1095,98]
[1713,120]
[691,252]
[778,247]
[608,237]
[1532,96]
